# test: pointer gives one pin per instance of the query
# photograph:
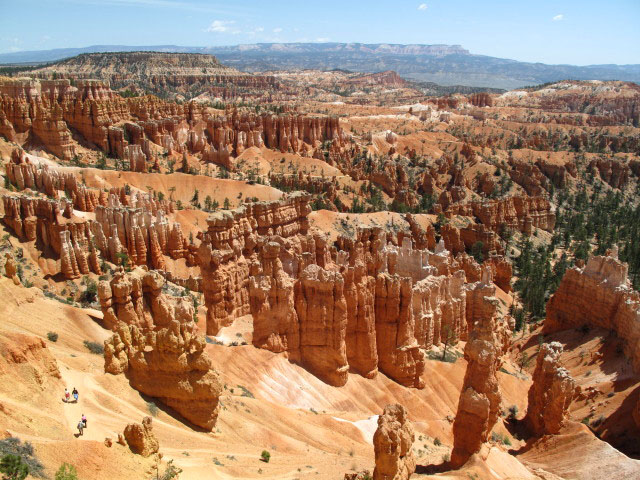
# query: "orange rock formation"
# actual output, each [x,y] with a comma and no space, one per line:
[392,443]
[598,295]
[367,303]
[140,438]
[551,393]
[47,109]
[480,398]
[157,347]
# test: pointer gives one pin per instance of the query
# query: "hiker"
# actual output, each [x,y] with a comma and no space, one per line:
[66,395]
[75,394]
[80,428]
[84,420]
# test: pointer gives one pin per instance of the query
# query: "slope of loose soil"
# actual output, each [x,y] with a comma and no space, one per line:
[575,453]
[304,423]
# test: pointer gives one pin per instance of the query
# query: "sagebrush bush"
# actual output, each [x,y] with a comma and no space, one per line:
[94,347]
[66,472]
[153,409]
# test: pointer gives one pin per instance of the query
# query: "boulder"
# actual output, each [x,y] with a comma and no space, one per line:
[141,439]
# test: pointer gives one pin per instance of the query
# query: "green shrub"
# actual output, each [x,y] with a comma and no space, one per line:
[66,472]
[52,336]
[265,456]
[14,446]
[94,347]
[171,471]
[13,468]
[246,392]
[437,442]
[153,409]
[90,294]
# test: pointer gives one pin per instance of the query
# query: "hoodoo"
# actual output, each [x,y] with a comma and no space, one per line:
[480,399]
[157,347]
[551,393]
[393,445]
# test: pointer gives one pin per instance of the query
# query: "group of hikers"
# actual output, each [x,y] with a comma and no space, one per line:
[82,424]
[67,396]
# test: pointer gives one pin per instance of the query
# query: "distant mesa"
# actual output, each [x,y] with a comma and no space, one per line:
[441,64]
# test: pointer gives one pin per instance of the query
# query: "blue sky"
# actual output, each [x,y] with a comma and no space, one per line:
[575,32]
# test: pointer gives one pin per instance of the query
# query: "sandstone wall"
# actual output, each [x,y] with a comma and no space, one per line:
[371,302]
[598,295]
[123,127]
[81,243]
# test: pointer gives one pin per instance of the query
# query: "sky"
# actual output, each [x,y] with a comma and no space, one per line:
[571,32]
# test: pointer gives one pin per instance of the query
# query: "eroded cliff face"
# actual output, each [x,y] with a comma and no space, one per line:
[28,357]
[133,224]
[598,295]
[370,302]
[233,242]
[517,213]
[479,404]
[127,128]
[156,345]
[236,132]
[392,444]
[551,393]
[322,314]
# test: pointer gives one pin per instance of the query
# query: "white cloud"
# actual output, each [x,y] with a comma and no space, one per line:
[557,18]
[422,6]
[322,39]
[255,31]
[14,44]
[176,4]
[277,30]
[220,26]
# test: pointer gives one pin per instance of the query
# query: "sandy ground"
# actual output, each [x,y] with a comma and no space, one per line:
[312,430]
[323,431]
